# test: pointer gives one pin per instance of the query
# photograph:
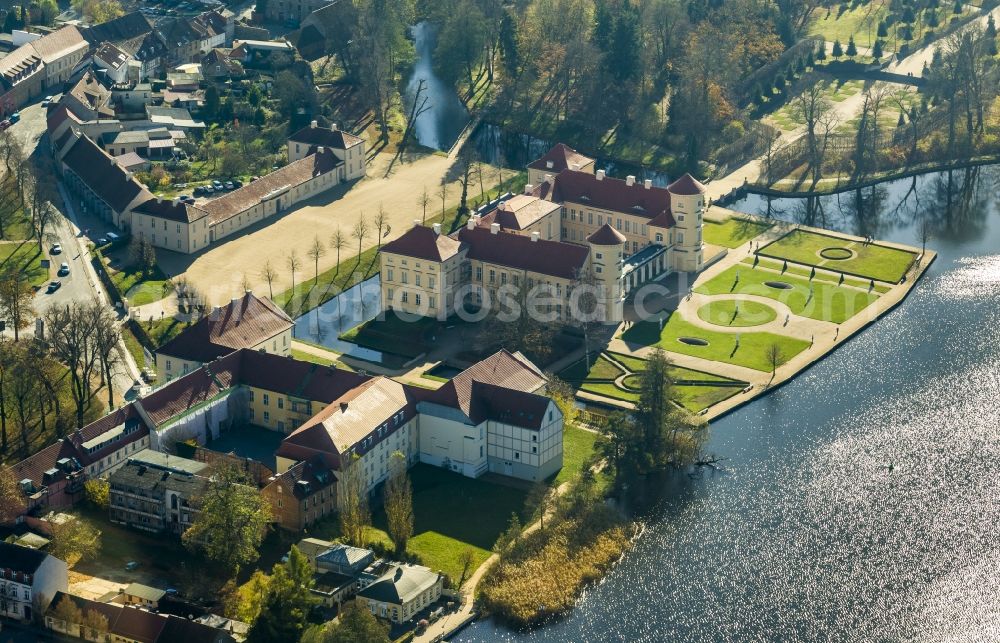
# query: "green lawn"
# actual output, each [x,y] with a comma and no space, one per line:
[24,256]
[698,398]
[309,357]
[734,232]
[393,334]
[832,277]
[730,312]
[870,261]
[452,514]
[752,351]
[828,301]
[140,290]
[578,446]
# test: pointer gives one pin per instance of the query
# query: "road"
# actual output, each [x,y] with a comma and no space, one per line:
[82,284]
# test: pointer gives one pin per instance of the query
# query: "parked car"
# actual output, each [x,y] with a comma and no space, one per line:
[63,269]
[229,185]
[47,100]
[15,117]
[237,183]
[55,249]
[4,124]
[112,236]
[181,186]
[198,191]
[53,286]
[217,185]
[102,241]
[148,375]
[209,189]
[131,566]
[186,198]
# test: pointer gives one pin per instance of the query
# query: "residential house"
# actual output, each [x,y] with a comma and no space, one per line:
[325,30]
[258,52]
[170,224]
[103,187]
[247,322]
[303,494]
[62,53]
[217,66]
[29,579]
[349,149]
[114,62]
[154,491]
[292,11]
[344,559]
[402,592]
[140,595]
[134,34]
[22,76]
[125,624]
[89,99]
[560,157]
[173,118]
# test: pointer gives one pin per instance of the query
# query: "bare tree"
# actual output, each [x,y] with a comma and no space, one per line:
[381,222]
[812,107]
[16,297]
[775,357]
[316,252]
[293,264]
[268,274]
[418,107]
[443,193]
[105,337]
[423,200]
[337,242]
[360,232]
[245,285]
[70,333]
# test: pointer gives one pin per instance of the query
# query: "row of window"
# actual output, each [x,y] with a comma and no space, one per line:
[404,278]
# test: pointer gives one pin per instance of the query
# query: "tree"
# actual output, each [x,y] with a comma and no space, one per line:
[105,337]
[232,520]
[16,297]
[293,265]
[67,612]
[852,49]
[354,514]
[883,30]
[249,598]
[337,242]
[540,499]
[74,540]
[381,223]
[98,491]
[268,274]
[775,357]
[399,503]
[360,232]
[70,332]
[467,558]
[877,51]
[355,624]
[564,397]
[316,252]
[212,102]
[287,603]
[838,49]
[443,193]
[423,200]
[12,500]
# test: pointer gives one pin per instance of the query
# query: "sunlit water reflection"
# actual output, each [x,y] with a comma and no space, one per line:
[862,501]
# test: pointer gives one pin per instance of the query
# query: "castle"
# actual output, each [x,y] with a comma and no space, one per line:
[571,226]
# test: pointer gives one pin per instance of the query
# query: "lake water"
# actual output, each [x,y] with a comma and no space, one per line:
[806,535]
[356,305]
[439,126]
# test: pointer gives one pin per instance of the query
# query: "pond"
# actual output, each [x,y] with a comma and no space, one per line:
[323,324]
[860,502]
[445,117]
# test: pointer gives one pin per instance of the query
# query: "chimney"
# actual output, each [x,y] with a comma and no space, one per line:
[494,228]
[630,180]
[234,302]
[548,178]
[333,126]
[314,124]
[548,165]
[575,166]
[176,200]
[648,184]
[128,175]
[535,235]
[437,228]
[114,161]
[216,312]
[416,223]
[470,224]
[528,189]
[320,149]
[600,175]
[159,198]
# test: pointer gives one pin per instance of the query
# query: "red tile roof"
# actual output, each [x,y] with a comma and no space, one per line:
[521,211]
[554,258]
[687,185]
[102,175]
[606,236]
[507,405]
[326,137]
[503,369]
[421,242]
[560,157]
[251,194]
[167,209]
[611,194]
[244,323]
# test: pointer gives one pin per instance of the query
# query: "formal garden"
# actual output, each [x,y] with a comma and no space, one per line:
[866,260]
[618,377]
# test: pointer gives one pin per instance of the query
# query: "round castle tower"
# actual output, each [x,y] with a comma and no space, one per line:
[688,204]
[606,251]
